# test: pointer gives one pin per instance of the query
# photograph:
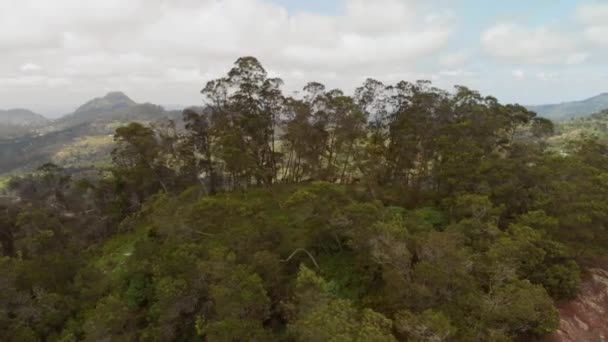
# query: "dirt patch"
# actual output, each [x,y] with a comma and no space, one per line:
[586,317]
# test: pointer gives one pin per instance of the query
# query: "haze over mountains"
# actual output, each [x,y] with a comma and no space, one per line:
[84,137]
[116,104]
[78,139]
[574,109]
[16,122]
[21,117]
[112,101]
[113,106]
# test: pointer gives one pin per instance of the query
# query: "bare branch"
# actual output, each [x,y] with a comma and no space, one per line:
[298,250]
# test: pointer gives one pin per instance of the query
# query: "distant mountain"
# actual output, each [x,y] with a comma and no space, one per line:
[22,117]
[113,107]
[19,122]
[172,106]
[82,138]
[111,102]
[575,109]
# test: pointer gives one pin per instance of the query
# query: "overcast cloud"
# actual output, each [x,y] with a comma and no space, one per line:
[57,54]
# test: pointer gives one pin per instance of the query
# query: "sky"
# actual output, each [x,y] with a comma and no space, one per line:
[55,55]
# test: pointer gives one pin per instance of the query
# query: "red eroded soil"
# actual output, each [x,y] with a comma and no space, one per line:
[585,319]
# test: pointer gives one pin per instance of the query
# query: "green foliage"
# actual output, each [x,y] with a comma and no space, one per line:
[338,320]
[320,317]
[428,326]
[225,267]
[4,181]
[402,213]
[521,308]
[594,126]
[92,150]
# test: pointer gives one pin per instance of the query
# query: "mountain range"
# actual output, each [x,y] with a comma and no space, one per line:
[570,110]
[79,139]
[84,137]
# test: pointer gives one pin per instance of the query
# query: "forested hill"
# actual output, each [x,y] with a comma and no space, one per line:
[22,117]
[77,140]
[575,109]
[114,106]
[401,213]
[17,122]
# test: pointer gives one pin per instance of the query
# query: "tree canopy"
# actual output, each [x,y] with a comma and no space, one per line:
[402,212]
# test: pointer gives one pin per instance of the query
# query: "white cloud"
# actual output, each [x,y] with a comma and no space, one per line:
[62,52]
[460,73]
[577,58]
[546,76]
[593,17]
[378,16]
[456,58]
[540,45]
[185,75]
[30,67]
[86,46]
[27,24]
[519,74]
[33,81]
[107,64]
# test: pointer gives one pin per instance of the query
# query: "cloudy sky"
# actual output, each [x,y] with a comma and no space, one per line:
[57,54]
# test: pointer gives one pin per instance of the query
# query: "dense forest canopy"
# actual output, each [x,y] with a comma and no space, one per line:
[401,213]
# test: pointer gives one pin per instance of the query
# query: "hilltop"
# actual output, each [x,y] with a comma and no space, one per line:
[114,106]
[22,117]
[16,122]
[112,101]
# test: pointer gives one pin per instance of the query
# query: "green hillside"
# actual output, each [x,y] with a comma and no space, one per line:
[79,140]
[442,217]
[316,260]
[22,117]
[570,110]
[3,182]
[19,122]
[593,127]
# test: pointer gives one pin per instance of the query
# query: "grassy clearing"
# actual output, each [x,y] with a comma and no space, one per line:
[4,183]
[90,150]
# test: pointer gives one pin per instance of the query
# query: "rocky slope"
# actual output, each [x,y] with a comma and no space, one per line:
[586,317]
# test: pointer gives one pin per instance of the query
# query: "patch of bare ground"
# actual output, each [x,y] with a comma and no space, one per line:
[585,319]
